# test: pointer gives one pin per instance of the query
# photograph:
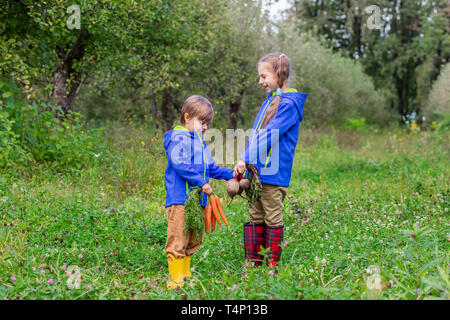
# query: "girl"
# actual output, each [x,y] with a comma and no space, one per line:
[189,164]
[271,149]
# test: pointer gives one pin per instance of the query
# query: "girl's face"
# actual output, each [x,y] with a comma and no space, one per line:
[267,78]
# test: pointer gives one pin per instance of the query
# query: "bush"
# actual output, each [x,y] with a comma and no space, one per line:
[31,132]
[337,86]
[358,124]
[437,108]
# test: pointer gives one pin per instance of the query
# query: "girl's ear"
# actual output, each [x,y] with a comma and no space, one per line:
[186,117]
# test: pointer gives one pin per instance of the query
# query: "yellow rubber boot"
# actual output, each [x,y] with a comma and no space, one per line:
[187,270]
[176,272]
[187,266]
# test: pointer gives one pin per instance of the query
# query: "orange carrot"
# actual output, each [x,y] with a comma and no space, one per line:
[214,209]
[207,218]
[219,206]
[213,222]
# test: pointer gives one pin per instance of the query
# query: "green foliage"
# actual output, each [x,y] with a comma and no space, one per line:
[194,213]
[438,104]
[402,56]
[31,132]
[211,48]
[443,122]
[337,86]
[357,124]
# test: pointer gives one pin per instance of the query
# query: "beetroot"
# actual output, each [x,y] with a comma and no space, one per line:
[244,184]
[232,187]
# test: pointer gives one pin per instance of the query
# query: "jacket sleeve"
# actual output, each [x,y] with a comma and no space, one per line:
[219,173]
[286,117]
[179,155]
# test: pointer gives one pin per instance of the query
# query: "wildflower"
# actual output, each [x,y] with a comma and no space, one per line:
[50,281]
[80,256]
[13,278]
[116,284]
[64,267]
[271,272]
[68,274]
[414,194]
[143,143]
[37,281]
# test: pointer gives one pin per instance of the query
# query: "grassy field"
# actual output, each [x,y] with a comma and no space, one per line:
[366,217]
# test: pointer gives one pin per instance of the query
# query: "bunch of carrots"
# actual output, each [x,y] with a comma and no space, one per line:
[213,213]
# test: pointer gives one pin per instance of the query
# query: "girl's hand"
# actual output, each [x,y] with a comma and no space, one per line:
[206,188]
[239,168]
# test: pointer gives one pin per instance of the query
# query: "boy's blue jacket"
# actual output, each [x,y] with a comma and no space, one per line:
[272,149]
[189,164]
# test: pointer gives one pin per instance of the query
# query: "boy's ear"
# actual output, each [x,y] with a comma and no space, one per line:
[186,117]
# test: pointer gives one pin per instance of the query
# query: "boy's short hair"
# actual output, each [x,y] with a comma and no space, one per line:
[197,106]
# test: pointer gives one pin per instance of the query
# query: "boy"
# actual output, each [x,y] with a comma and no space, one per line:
[189,164]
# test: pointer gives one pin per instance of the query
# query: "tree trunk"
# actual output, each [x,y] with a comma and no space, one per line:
[67,80]
[233,113]
[167,116]
[357,20]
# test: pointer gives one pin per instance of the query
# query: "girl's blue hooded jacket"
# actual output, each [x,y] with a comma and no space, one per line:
[189,164]
[272,148]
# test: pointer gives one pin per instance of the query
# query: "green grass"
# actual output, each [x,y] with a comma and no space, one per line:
[364,199]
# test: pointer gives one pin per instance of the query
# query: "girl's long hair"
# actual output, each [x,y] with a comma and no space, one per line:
[280,65]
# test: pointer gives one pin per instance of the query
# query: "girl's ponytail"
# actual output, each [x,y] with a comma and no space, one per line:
[280,65]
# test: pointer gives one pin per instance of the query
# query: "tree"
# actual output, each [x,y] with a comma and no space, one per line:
[117,37]
[410,33]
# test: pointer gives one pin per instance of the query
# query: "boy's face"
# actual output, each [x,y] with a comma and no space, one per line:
[267,78]
[195,124]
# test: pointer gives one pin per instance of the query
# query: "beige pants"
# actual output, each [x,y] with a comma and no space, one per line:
[178,243]
[269,209]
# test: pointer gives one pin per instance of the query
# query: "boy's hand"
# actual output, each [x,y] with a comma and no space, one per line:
[239,168]
[206,188]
